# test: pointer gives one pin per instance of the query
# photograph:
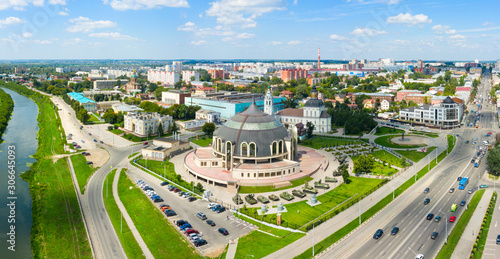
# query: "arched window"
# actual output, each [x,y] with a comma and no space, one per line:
[244,149]
[220,145]
[253,150]
[280,147]
[274,148]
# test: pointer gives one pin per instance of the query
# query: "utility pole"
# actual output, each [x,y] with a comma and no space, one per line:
[359,206]
[313,239]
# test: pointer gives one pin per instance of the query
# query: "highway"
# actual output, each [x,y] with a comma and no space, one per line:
[408,211]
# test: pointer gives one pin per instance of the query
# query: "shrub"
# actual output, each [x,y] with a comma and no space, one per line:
[115,126]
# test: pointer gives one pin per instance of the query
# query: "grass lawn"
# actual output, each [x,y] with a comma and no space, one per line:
[388,157]
[134,138]
[261,189]
[160,236]
[116,131]
[456,234]
[386,142]
[318,142]
[484,232]
[127,239]
[379,168]
[387,130]
[204,142]
[259,244]
[82,170]
[333,238]
[414,155]
[133,154]
[300,213]
[94,118]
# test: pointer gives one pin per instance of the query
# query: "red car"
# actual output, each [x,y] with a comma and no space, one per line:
[177,190]
[452,219]
[145,143]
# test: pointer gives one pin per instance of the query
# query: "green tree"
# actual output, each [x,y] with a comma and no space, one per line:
[290,103]
[84,116]
[309,129]
[364,164]
[209,129]
[345,176]
[493,160]
[160,129]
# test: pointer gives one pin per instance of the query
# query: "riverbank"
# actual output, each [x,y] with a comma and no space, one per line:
[58,230]
[6,108]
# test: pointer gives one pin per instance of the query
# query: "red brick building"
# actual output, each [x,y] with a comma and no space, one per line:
[290,74]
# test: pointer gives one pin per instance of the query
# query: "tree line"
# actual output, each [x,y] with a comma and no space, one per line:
[6,108]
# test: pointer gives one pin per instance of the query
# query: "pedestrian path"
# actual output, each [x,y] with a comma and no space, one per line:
[466,243]
[127,218]
[231,250]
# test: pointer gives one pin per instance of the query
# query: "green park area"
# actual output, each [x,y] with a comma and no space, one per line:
[386,130]
[116,131]
[202,141]
[428,134]
[82,170]
[389,158]
[318,142]
[299,214]
[386,142]
[415,155]
[368,165]
[269,188]
[127,239]
[94,119]
[162,239]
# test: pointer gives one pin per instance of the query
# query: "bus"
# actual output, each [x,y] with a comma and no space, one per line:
[453,207]
[463,183]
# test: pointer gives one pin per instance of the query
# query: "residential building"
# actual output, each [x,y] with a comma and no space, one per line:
[290,74]
[400,95]
[91,94]
[126,108]
[208,116]
[164,148]
[216,73]
[191,124]
[142,124]
[88,104]
[164,77]
[107,84]
[374,96]
[384,105]
[187,76]
[419,99]
[174,96]
[104,106]
[446,114]
[287,94]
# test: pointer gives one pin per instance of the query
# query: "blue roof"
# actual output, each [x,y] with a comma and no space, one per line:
[80,97]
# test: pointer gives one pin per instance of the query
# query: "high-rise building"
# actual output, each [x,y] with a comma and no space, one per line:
[186,76]
[319,66]
[290,74]
[164,77]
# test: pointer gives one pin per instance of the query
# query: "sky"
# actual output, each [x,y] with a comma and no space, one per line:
[250,29]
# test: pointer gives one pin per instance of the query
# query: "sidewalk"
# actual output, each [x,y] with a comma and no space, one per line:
[464,246]
[231,250]
[127,218]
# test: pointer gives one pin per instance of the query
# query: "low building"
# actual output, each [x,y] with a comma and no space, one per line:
[446,114]
[419,99]
[164,148]
[208,115]
[142,124]
[287,94]
[126,108]
[204,90]
[107,84]
[400,95]
[91,94]
[374,96]
[190,124]
[104,106]
[88,104]
[384,105]
[174,97]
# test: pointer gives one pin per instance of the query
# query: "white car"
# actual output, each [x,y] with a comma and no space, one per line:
[211,205]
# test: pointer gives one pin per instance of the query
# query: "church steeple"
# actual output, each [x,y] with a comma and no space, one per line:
[268,102]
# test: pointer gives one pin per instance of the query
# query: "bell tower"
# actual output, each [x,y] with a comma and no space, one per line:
[268,102]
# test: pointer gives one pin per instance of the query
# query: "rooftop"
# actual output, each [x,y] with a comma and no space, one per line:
[80,97]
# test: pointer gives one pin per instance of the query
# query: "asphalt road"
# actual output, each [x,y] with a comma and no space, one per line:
[409,213]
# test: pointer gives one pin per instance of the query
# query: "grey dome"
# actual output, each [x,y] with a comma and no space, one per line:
[314,103]
[448,100]
[252,126]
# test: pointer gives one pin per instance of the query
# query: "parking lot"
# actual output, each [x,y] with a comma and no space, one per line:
[186,210]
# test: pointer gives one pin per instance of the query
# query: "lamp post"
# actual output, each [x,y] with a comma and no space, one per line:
[446,227]
[313,239]
[359,206]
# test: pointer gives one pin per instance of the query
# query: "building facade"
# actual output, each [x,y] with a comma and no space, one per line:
[186,76]
[447,114]
[208,115]
[400,95]
[107,84]
[164,148]
[164,77]
[142,124]
[88,104]
[174,96]
[289,74]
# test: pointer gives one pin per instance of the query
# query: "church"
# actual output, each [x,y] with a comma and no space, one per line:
[313,111]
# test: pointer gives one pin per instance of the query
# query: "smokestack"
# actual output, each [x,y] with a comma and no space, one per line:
[319,66]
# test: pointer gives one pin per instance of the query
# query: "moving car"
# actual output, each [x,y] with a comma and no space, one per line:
[437,219]
[211,223]
[453,207]
[426,190]
[223,231]
[378,234]
[470,191]
[483,186]
[452,219]
[459,178]
[430,216]
[434,235]
[498,240]
[466,142]
[394,231]
[426,201]
[462,203]
[419,256]
[452,190]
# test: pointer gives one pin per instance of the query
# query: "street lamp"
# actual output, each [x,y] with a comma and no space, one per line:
[446,226]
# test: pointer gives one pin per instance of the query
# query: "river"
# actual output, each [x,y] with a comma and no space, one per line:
[20,134]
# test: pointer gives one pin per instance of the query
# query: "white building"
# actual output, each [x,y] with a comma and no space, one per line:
[107,84]
[208,115]
[143,123]
[186,76]
[384,105]
[446,114]
[313,111]
[164,77]
[190,124]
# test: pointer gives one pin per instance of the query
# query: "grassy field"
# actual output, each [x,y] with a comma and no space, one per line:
[300,213]
[162,239]
[82,170]
[133,154]
[204,142]
[415,156]
[261,189]
[388,157]
[333,238]
[379,168]
[318,142]
[134,138]
[127,239]
[258,244]
[387,130]
[456,234]
[484,233]
[94,119]
[386,142]
[116,131]
[58,230]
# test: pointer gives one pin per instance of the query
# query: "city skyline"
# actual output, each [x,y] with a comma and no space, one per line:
[223,29]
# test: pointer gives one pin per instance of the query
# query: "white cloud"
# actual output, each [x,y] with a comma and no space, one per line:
[275,43]
[189,26]
[337,37]
[61,13]
[123,5]
[245,35]
[401,42]
[295,2]
[440,28]
[86,25]
[10,21]
[20,5]
[112,35]
[457,37]
[367,32]
[488,24]
[294,42]
[242,13]
[227,39]
[197,43]
[409,19]
[27,35]
[452,31]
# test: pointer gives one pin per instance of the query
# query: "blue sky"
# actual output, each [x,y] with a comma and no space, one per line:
[249,29]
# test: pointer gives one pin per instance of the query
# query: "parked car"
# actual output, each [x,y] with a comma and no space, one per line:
[378,234]
[185,226]
[437,219]
[81,127]
[191,199]
[200,242]
[427,190]
[434,235]
[78,147]
[101,142]
[214,208]
[211,205]
[498,240]
[201,215]
[177,190]
[156,200]
[186,194]
[221,209]
[430,216]
[145,143]
[83,141]
[211,223]
[95,140]
[180,193]
[90,134]
[163,183]
[191,231]
[466,142]
[223,231]
[181,222]
[426,201]
[452,219]
[90,163]
[170,213]
[171,188]
[165,207]
[394,231]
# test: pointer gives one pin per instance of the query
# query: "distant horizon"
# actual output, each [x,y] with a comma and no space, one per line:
[242,59]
